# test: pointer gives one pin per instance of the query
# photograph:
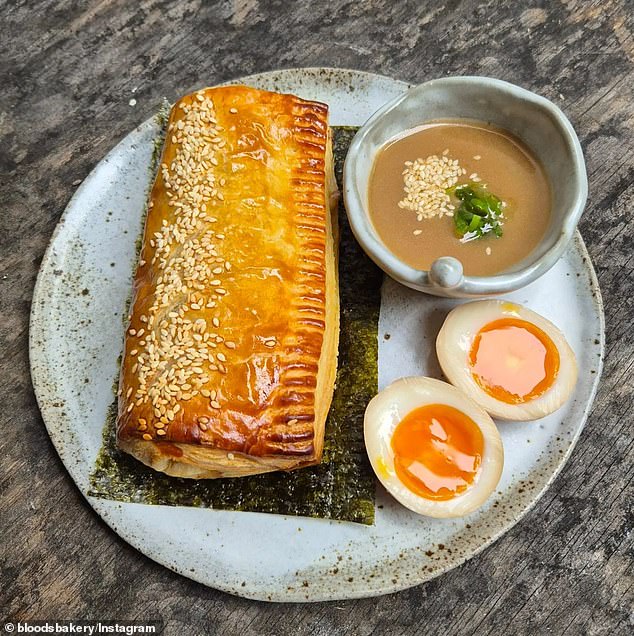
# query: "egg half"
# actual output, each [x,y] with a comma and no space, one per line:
[435,450]
[510,360]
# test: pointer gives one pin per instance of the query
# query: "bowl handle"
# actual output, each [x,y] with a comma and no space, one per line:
[446,272]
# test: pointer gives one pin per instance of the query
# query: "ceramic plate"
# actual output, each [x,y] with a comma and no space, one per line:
[76,337]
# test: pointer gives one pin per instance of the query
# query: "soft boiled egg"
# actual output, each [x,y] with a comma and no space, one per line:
[434,450]
[513,362]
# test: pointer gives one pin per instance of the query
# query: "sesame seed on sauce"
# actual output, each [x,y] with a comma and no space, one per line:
[185,254]
[426,182]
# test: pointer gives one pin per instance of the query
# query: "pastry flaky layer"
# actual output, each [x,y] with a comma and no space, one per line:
[230,355]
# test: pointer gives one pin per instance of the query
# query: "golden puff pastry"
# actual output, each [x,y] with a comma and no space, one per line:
[231,352]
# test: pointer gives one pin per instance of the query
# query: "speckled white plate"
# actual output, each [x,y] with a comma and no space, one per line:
[76,337]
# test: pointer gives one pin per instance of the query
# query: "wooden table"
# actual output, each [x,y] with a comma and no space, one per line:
[77,76]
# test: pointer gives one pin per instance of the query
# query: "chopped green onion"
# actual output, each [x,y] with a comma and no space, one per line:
[479,213]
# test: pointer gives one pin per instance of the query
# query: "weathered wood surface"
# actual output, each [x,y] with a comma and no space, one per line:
[69,70]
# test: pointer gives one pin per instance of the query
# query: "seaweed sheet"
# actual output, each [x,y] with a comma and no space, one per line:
[341,487]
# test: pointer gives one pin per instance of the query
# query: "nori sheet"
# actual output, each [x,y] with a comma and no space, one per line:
[342,487]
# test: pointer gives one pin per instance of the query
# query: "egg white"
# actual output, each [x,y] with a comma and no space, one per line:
[391,405]
[453,346]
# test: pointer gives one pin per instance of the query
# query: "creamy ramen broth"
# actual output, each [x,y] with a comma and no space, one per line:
[494,158]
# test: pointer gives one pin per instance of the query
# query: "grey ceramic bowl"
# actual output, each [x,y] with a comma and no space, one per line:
[534,119]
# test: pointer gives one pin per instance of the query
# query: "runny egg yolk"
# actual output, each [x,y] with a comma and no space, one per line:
[437,451]
[513,360]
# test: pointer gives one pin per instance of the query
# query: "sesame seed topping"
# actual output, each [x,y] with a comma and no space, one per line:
[233,111]
[214,404]
[488,251]
[426,182]
[146,436]
[176,358]
[161,432]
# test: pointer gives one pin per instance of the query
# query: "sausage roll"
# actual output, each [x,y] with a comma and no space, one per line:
[230,355]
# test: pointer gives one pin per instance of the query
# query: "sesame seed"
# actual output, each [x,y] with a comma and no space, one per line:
[214,404]
[230,456]
[130,407]
[233,111]
[488,251]
[175,357]
[161,432]
[269,343]
[425,185]
[146,436]
[230,345]
[221,356]
[477,157]
[417,232]
[203,420]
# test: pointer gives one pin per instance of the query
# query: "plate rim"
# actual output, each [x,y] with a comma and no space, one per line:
[100,506]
